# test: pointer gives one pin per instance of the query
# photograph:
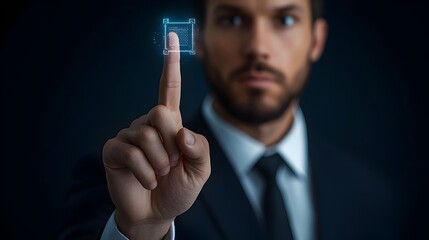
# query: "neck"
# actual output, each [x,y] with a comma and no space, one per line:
[268,133]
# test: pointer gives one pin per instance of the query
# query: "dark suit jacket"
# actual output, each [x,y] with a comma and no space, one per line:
[350,201]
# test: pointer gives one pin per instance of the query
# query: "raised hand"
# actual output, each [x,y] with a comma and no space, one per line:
[156,168]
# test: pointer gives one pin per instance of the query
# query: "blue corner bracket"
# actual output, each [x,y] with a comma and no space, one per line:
[185,32]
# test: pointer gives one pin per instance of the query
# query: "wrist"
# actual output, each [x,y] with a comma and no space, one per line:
[145,229]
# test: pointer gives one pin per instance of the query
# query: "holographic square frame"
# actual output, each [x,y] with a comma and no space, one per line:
[185,32]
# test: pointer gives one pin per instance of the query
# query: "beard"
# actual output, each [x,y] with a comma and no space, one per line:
[254,111]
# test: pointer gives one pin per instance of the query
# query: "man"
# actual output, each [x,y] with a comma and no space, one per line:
[257,56]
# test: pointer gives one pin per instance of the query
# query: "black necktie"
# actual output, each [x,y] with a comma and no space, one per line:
[276,219]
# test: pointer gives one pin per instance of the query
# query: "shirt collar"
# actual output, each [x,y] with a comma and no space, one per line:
[244,151]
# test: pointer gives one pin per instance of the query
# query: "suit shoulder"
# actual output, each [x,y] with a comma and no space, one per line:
[87,200]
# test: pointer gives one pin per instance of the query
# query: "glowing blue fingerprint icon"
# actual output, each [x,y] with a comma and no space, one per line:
[185,32]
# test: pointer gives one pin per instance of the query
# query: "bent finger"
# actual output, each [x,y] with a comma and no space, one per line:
[133,159]
[148,140]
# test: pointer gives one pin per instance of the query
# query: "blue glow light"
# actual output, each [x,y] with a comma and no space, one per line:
[185,32]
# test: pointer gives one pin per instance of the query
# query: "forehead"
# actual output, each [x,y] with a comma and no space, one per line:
[257,5]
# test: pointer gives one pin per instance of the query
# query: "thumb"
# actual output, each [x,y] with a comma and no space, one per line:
[194,147]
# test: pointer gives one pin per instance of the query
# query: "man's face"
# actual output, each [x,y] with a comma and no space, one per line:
[257,55]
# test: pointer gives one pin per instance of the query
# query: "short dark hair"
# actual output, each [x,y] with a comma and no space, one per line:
[200,10]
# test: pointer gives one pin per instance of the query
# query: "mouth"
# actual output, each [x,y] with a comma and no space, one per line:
[256,80]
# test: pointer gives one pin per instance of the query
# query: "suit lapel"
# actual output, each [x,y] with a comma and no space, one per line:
[338,186]
[224,196]
[325,190]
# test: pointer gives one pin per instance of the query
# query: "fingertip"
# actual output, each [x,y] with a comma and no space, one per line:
[173,41]
[181,138]
[152,185]
[189,137]
[164,171]
[173,48]
[192,145]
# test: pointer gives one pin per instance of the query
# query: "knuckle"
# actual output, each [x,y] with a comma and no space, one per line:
[139,121]
[158,113]
[108,146]
[132,155]
[109,143]
[135,122]
[123,132]
[147,134]
[173,83]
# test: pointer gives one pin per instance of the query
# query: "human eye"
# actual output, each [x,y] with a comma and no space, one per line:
[286,21]
[230,21]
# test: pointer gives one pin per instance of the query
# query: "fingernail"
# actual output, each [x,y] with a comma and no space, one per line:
[164,171]
[189,138]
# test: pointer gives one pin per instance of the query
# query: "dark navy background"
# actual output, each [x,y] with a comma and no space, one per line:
[74,72]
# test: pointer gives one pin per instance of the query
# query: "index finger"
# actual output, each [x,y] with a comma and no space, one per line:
[170,83]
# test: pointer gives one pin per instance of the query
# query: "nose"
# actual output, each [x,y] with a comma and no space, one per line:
[256,42]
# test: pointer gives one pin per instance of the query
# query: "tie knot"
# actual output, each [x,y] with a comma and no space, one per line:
[268,165]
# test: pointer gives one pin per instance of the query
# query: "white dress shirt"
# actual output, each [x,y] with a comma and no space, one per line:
[244,151]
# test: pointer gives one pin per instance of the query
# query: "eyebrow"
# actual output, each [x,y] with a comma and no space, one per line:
[228,8]
[282,9]
[288,8]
